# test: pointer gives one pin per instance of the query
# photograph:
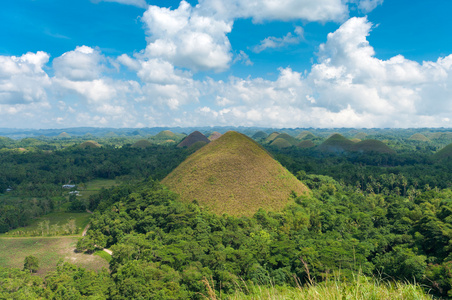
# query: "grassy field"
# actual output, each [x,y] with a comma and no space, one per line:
[57,221]
[48,250]
[93,187]
[46,238]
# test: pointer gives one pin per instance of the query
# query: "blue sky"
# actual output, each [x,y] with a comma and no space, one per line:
[291,63]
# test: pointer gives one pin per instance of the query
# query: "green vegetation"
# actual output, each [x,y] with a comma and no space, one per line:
[376,224]
[360,287]
[143,144]
[280,143]
[52,224]
[306,144]
[89,144]
[371,145]
[419,137]
[234,175]
[336,144]
[31,264]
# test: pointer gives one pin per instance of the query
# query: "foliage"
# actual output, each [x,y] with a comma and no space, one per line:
[31,264]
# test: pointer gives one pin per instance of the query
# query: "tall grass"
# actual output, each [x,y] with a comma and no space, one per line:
[361,287]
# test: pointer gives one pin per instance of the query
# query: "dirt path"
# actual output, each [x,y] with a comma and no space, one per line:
[85,230]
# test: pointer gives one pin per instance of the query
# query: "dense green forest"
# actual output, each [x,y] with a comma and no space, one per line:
[375,214]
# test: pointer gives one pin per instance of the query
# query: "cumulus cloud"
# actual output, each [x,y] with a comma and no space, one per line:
[262,10]
[274,42]
[22,79]
[187,39]
[82,64]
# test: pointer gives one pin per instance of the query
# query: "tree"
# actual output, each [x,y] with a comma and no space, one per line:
[31,263]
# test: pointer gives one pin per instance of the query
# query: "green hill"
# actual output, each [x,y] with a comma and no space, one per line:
[272,137]
[446,152]
[64,135]
[305,135]
[165,135]
[372,146]
[142,144]
[193,138]
[260,135]
[234,175]
[360,135]
[89,144]
[337,144]
[289,138]
[280,143]
[419,137]
[305,144]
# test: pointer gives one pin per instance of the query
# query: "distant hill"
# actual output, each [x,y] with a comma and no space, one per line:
[305,135]
[336,143]
[234,175]
[89,144]
[441,135]
[165,135]
[142,144]
[372,146]
[64,135]
[305,144]
[444,153]
[289,138]
[193,138]
[272,137]
[215,135]
[419,137]
[361,135]
[280,143]
[260,135]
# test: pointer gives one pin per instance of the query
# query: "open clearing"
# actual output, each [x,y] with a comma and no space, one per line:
[16,244]
[48,250]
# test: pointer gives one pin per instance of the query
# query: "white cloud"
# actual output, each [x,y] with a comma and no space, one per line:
[82,64]
[138,3]
[285,10]
[243,58]
[22,79]
[369,5]
[274,42]
[187,39]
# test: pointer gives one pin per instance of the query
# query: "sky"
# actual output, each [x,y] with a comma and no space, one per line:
[265,63]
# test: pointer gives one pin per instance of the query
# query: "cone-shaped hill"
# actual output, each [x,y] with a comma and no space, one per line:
[444,153]
[372,146]
[143,144]
[89,144]
[289,138]
[281,143]
[64,135]
[215,135]
[260,135]
[165,135]
[419,137]
[272,137]
[193,138]
[305,135]
[234,175]
[336,143]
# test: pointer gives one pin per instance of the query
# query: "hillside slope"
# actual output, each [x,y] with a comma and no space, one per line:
[234,175]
